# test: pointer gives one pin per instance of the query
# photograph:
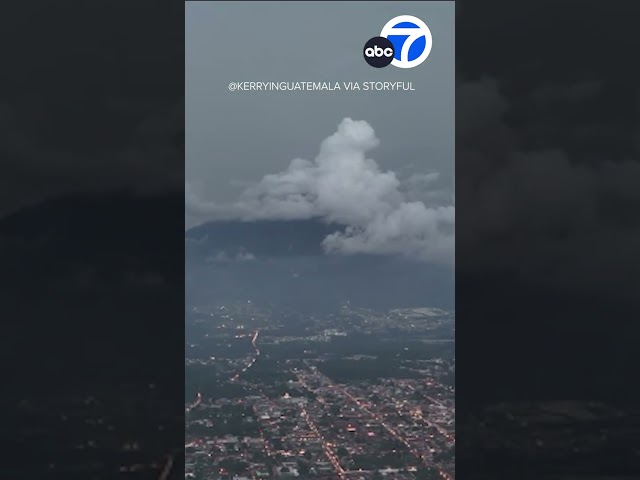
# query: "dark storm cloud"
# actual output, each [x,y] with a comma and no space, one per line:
[91,108]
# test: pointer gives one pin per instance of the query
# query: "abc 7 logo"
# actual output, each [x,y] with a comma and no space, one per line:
[404,42]
[379,52]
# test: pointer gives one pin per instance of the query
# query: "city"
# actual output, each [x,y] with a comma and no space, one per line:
[355,394]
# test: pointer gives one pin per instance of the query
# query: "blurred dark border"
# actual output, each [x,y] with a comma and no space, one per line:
[547,175]
[92,240]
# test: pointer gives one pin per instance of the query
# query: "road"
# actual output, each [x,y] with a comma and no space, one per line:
[197,402]
[166,470]
[325,445]
[440,429]
[254,344]
[380,419]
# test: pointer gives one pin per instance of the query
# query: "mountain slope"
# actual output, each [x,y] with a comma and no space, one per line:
[283,263]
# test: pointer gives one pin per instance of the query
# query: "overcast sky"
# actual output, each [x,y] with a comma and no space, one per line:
[237,137]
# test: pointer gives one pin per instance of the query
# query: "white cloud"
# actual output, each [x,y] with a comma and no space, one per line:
[224,257]
[344,186]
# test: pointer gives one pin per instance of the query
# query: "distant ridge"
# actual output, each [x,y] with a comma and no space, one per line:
[283,262]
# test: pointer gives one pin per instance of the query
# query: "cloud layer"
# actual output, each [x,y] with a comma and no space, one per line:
[381,213]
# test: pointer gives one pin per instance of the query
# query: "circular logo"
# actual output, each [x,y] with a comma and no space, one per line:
[378,52]
[411,39]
